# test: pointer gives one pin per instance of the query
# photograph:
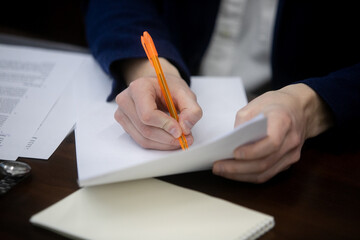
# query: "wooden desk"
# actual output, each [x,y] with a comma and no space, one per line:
[317,198]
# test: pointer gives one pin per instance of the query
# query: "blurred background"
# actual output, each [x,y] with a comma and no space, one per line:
[59,21]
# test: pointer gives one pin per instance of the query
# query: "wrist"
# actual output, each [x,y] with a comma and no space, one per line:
[317,116]
[133,69]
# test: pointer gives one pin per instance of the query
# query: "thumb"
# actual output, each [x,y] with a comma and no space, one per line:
[243,115]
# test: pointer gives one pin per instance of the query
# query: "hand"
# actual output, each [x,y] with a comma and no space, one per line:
[294,114]
[142,109]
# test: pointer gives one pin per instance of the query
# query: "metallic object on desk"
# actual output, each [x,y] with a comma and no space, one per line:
[12,172]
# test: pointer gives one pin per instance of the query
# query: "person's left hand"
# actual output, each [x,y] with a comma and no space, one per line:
[294,113]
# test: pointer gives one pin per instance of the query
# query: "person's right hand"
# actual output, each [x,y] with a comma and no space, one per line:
[142,110]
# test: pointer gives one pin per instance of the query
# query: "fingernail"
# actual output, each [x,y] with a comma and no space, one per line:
[175,132]
[239,155]
[187,126]
[190,140]
[218,169]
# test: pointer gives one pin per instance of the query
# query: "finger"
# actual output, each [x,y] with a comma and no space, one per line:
[127,116]
[278,128]
[238,166]
[230,171]
[148,113]
[249,166]
[144,141]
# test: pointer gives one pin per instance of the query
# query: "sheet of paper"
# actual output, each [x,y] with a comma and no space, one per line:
[63,115]
[105,153]
[150,209]
[91,87]
[31,81]
[59,122]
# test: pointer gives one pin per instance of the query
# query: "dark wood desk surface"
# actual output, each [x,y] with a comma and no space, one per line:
[317,198]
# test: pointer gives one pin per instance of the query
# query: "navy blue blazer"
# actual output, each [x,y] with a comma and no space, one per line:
[314,42]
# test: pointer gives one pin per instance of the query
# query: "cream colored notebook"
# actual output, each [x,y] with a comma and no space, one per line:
[150,209]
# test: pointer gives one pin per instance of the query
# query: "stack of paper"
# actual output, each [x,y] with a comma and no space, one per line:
[39,89]
[105,153]
[35,101]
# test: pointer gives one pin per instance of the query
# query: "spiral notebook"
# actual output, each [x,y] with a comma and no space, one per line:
[150,209]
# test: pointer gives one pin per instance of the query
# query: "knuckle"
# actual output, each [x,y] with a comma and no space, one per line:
[276,142]
[120,99]
[145,117]
[198,113]
[296,156]
[173,141]
[241,114]
[144,144]
[166,124]
[184,92]
[296,140]
[146,132]
[134,84]
[230,170]
[260,179]
[286,120]
[244,114]
[119,117]
[263,166]
[192,95]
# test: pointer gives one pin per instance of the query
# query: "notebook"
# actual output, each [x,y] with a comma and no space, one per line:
[150,209]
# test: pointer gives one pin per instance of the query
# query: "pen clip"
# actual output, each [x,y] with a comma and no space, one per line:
[149,47]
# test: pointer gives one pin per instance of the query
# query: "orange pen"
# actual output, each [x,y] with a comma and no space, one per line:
[152,55]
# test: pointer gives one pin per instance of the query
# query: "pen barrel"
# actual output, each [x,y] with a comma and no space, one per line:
[183,142]
[168,99]
[165,90]
[152,55]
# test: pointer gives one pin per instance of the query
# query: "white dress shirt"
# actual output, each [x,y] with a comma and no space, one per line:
[241,42]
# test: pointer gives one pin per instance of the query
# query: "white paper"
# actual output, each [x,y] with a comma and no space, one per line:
[105,153]
[150,209]
[55,127]
[91,87]
[63,115]
[31,81]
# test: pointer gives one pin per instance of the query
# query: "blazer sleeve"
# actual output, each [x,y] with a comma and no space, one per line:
[324,53]
[113,30]
[341,91]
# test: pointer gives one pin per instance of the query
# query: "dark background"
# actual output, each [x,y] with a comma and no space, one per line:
[60,21]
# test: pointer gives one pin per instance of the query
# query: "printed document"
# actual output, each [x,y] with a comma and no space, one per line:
[31,81]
